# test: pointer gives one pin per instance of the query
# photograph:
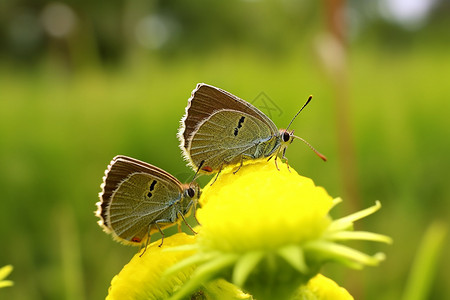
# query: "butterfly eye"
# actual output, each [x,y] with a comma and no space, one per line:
[190,192]
[286,136]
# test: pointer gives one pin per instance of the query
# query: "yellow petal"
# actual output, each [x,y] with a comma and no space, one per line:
[142,277]
[322,288]
[261,207]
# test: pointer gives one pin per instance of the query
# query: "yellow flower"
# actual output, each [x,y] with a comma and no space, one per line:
[269,231]
[221,289]
[323,288]
[4,272]
[260,207]
[142,277]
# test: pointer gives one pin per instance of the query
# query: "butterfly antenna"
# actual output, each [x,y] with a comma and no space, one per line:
[197,172]
[323,157]
[304,105]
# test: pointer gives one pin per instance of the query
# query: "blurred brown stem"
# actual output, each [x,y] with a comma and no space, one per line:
[333,52]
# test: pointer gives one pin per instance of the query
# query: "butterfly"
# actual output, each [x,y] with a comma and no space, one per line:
[220,129]
[138,199]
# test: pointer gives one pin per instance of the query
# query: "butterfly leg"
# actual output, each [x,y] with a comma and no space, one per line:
[187,224]
[147,240]
[242,161]
[276,163]
[240,165]
[217,176]
[145,249]
[285,158]
[195,214]
[276,158]
[162,233]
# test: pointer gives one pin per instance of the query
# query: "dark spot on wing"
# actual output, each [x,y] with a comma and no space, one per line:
[241,120]
[152,187]
[236,130]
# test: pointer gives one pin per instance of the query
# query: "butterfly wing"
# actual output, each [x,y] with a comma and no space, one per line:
[226,137]
[209,128]
[134,196]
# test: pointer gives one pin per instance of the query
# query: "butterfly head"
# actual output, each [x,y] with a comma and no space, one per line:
[287,136]
[190,196]
[192,190]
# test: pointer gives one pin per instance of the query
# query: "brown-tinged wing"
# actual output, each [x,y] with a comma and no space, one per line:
[141,201]
[120,168]
[207,99]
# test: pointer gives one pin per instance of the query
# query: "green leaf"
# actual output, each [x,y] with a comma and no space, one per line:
[245,265]
[295,256]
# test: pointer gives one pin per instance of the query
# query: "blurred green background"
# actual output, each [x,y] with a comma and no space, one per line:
[82,81]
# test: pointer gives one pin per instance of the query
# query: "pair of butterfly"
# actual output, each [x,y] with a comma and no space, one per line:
[218,129]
